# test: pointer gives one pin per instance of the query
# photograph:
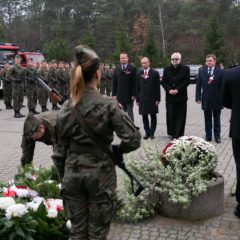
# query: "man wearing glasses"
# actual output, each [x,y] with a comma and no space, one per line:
[175,81]
[208,93]
[40,128]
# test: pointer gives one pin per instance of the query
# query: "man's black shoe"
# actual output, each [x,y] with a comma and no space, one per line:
[208,139]
[218,140]
[152,136]
[23,106]
[146,136]
[9,107]
[237,213]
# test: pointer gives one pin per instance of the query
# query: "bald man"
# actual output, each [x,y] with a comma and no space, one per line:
[175,81]
[148,96]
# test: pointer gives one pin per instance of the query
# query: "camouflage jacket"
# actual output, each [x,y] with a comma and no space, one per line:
[3,75]
[75,148]
[29,75]
[62,77]
[49,120]
[15,75]
[43,74]
[53,75]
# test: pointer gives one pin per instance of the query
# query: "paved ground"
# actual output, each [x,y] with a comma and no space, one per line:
[225,227]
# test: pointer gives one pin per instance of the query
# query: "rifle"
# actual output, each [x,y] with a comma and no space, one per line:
[115,154]
[52,91]
[32,79]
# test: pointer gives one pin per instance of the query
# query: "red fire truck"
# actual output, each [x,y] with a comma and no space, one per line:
[37,57]
[7,53]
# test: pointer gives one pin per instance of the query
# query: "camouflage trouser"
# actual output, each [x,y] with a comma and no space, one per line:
[89,202]
[63,89]
[17,95]
[7,93]
[102,87]
[53,85]
[109,86]
[31,96]
[42,96]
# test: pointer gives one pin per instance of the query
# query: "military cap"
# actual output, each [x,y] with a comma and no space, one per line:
[83,53]
[17,56]
[54,61]
[31,125]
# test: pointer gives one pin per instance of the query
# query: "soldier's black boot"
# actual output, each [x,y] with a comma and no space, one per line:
[44,109]
[9,106]
[21,115]
[18,114]
[33,111]
[55,107]
[36,112]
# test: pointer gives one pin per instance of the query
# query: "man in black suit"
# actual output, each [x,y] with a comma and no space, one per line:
[175,81]
[148,96]
[124,84]
[231,100]
[208,92]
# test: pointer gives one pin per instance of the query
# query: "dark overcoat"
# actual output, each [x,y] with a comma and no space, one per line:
[176,78]
[209,93]
[124,84]
[231,99]
[148,92]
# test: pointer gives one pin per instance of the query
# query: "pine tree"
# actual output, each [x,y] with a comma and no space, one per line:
[150,48]
[214,41]
[2,37]
[122,40]
[58,48]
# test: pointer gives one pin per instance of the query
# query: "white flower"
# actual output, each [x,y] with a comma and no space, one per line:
[49,181]
[52,213]
[55,203]
[69,224]
[6,202]
[33,193]
[16,210]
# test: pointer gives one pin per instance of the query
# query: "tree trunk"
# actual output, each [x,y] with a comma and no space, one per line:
[162,28]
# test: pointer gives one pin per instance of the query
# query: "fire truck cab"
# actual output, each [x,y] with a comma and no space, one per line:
[37,57]
[7,53]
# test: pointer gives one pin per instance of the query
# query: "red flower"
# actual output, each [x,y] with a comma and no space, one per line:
[166,148]
[9,193]
[59,208]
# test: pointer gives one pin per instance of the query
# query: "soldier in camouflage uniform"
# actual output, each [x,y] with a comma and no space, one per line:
[42,93]
[15,74]
[40,128]
[62,80]
[30,76]
[109,78]
[103,79]
[88,175]
[68,72]
[53,81]
[7,86]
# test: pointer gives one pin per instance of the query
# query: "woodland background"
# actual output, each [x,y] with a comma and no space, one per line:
[154,28]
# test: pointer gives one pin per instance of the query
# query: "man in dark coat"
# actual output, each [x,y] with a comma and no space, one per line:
[208,92]
[231,99]
[175,81]
[124,84]
[148,96]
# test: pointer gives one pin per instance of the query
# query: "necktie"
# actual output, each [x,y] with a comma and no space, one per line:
[123,67]
[210,71]
[145,73]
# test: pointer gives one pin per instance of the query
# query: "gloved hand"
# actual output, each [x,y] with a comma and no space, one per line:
[118,154]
